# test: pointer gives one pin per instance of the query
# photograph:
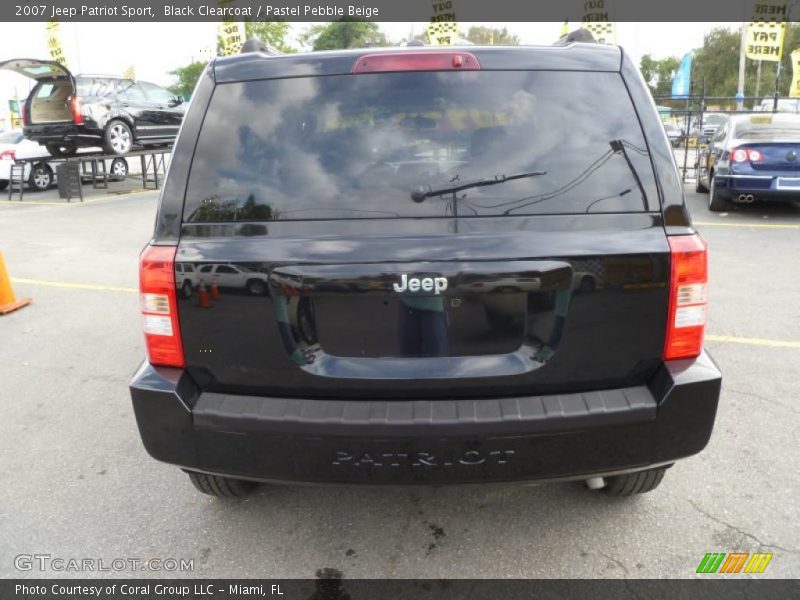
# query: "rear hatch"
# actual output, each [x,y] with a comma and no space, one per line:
[443,234]
[51,99]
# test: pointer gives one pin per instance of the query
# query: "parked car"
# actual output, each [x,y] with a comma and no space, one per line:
[790,105]
[674,133]
[186,279]
[752,158]
[41,174]
[710,124]
[233,277]
[66,112]
[370,359]
[13,146]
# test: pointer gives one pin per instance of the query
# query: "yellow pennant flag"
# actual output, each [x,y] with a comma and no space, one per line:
[597,18]
[54,47]
[443,33]
[794,90]
[603,31]
[443,27]
[232,36]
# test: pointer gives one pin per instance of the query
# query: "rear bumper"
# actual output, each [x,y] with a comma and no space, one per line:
[384,442]
[761,187]
[54,133]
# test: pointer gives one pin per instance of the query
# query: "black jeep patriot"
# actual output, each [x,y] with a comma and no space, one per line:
[424,266]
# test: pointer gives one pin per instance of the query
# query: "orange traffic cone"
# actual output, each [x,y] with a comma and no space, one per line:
[214,289]
[202,296]
[8,301]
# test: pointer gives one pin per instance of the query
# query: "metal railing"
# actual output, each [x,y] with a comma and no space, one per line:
[92,166]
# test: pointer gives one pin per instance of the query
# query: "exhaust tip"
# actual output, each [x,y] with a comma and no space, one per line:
[749,198]
[596,483]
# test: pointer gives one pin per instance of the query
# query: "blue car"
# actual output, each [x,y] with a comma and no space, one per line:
[750,158]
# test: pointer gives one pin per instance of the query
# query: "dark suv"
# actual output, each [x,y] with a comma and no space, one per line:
[478,264]
[65,112]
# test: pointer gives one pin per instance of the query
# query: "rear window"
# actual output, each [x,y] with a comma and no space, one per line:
[358,146]
[96,86]
[768,128]
[45,90]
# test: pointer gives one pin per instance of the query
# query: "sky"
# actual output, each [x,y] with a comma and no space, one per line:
[155,49]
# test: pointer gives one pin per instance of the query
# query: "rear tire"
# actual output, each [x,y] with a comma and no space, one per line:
[634,483]
[3,184]
[699,187]
[117,138]
[715,203]
[41,177]
[222,487]
[256,287]
[119,169]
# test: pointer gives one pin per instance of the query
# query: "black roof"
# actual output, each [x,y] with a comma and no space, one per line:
[571,57]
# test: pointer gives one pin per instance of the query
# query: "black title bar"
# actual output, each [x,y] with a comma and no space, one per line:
[574,11]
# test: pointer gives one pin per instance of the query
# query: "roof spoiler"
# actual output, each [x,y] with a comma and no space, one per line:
[256,45]
[579,35]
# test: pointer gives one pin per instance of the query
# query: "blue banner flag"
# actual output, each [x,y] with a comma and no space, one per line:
[683,77]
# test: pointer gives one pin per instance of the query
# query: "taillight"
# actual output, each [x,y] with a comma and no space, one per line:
[77,115]
[688,297]
[24,117]
[158,300]
[740,155]
[416,61]
[8,155]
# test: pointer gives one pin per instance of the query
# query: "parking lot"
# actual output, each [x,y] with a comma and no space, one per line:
[76,481]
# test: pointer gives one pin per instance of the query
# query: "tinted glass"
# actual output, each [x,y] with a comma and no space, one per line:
[710,120]
[95,86]
[128,90]
[155,93]
[45,90]
[357,146]
[224,269]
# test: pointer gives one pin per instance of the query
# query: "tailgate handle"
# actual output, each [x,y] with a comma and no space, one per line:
[424,278]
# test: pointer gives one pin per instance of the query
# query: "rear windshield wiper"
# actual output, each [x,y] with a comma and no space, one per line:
[420,193]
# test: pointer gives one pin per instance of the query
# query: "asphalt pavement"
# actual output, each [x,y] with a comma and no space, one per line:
[75,481]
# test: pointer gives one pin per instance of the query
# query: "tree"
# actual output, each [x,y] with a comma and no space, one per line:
[187,78]
[717,62]
[344,33]
[273,33]
[492,36]
[659,73]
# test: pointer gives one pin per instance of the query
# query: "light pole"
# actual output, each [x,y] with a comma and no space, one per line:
[740,90]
